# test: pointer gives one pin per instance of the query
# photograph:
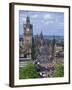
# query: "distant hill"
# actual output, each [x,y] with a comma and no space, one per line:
[50,37]
[56,37]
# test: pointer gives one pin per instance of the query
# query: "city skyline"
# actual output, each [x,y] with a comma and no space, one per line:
[49,23]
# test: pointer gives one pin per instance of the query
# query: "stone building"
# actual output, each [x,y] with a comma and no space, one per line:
[28,38]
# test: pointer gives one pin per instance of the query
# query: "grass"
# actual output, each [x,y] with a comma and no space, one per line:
[28,72]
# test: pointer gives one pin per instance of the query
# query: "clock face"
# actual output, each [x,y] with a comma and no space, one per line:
[27,29]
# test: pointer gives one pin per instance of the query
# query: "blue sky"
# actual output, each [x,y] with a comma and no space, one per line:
[50,23]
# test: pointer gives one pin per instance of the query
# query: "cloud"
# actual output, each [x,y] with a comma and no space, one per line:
[61,24]
[22,15]
[34,16]
[48,17]
[22,20]
[49,22]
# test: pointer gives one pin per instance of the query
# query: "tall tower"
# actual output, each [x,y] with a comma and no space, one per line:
[28,38]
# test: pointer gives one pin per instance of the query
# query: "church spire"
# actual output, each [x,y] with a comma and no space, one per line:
[28,20]
[41,35]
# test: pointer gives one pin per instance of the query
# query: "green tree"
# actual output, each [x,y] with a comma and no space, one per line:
[59,72]
[28,72]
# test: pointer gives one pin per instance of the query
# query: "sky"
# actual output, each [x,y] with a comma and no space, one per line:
[49,23]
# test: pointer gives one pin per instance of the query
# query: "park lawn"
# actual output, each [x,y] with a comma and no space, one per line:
[28,72]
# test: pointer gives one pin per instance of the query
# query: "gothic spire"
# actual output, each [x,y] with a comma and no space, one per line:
[28,20]
[41,35]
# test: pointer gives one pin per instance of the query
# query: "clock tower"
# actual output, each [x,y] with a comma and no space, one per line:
[27,38]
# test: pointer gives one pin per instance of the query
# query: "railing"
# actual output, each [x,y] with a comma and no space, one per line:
[24,59]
